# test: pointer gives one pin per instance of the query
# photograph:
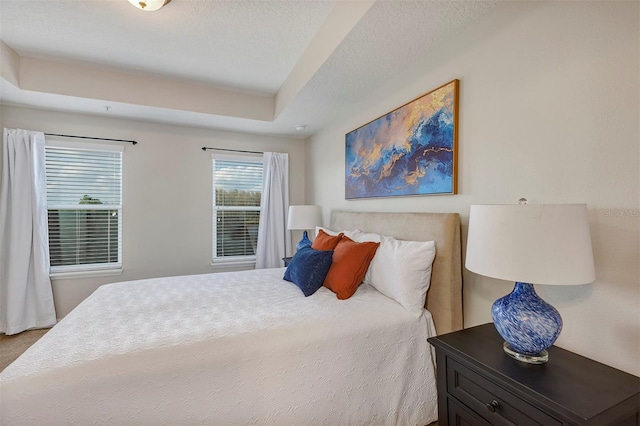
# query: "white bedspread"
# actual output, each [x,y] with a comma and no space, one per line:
[228,348]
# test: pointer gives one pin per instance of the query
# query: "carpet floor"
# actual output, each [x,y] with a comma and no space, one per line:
[11,347]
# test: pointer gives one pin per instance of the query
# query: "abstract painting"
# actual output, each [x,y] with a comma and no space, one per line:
[409,151]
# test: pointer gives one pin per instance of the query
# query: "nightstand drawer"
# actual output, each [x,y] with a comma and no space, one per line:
[459,415]
[489,400]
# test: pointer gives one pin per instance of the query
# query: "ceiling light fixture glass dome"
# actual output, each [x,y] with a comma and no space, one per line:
[149,5]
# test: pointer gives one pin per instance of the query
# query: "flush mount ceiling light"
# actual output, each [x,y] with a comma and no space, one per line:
[149,5]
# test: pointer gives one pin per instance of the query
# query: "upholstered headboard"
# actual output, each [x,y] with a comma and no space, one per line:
[444,299]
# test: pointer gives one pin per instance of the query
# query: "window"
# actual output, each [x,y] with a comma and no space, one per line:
[84,205]
[237,188]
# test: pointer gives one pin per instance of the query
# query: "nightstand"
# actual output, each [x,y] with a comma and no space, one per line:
[286,261]
[479,384]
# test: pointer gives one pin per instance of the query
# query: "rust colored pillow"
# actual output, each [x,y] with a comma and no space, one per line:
[325,241]
[350,263]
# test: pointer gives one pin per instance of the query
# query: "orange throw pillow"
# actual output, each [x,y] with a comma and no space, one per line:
[325,241]
[349,266]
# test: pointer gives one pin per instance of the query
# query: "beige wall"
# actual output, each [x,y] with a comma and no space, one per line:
[549,110]
[167,186]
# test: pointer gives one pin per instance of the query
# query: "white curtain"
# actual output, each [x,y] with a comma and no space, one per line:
[26,298]
[273,237]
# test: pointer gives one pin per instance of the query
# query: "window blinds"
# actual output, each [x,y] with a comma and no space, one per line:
[84,203]
[237,186]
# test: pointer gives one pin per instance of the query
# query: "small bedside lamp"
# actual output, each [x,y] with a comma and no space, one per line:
[529,244]
[304,218]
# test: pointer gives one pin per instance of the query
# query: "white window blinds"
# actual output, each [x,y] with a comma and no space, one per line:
[84,203]
[237,188]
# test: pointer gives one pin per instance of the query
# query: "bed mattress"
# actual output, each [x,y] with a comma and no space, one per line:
[227,348]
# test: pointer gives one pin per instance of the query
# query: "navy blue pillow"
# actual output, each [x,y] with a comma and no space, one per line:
[307,269]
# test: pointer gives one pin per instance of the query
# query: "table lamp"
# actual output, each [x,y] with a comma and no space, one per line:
[529,244]
[302,218]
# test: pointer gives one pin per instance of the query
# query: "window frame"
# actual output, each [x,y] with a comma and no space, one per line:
[230,261]
[91,269]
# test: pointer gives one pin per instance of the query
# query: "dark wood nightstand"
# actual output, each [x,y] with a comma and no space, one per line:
[286,261]
[479,384]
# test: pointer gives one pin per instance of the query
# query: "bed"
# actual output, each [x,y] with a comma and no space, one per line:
[244,348]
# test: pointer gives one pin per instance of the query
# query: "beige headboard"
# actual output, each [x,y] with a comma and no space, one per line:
[444,299]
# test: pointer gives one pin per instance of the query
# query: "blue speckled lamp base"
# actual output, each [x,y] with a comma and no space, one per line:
[304,242]
[528,324]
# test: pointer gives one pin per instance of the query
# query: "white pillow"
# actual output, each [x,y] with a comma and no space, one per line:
[363,237]
[401,270]
[334,233]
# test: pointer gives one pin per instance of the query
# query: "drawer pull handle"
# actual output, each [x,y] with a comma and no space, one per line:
[492,407]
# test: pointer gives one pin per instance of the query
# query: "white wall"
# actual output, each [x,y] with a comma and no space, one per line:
[549,110]
[167,189]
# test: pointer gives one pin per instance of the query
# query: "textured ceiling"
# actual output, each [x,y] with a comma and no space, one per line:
[244,44]
[251,47]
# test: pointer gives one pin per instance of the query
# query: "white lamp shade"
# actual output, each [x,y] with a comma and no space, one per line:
[304,217]
[534,244]
[149,5]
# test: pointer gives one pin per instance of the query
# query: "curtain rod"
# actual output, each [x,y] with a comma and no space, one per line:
[95,139]
[205,148]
